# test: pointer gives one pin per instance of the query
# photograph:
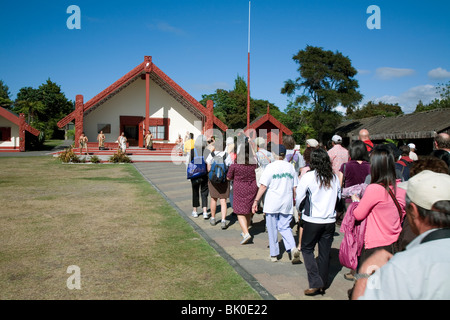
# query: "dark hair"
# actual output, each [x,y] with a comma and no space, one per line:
[429,163]
[382,167]
[358,151]
[246,152]
[191,135]
[404,150]
[443,155]
[289,142]
[437,217]
[321,163]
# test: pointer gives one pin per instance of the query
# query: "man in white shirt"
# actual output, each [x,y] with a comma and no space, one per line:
[280,180]
[412,153]
[421,271]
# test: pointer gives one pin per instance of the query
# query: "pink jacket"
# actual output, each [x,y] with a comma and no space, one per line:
[353,241]
[383,222]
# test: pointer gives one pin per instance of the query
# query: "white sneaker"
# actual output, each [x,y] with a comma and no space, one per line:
[246,239]
[212,221]
[205,215]
[295,256]
[194,214]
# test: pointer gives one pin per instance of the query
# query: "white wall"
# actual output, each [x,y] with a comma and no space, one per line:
[14,143]
[131,102]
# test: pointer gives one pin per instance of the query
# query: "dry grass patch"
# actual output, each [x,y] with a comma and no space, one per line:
[106,219]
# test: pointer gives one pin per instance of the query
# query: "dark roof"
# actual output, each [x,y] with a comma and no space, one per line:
[421,125]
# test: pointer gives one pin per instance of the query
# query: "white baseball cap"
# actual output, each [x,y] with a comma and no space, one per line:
[427,187]
[312,142]
[336,138]
[412,146]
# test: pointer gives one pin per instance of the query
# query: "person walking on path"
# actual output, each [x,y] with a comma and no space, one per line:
[338,154]
[421,271]
[220,190]
[383,204]
[199,184]
[320,187]
[365,137]
[244,190]
[280,180]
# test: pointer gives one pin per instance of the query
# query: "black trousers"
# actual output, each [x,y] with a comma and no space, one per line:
[200,187]
[322,234]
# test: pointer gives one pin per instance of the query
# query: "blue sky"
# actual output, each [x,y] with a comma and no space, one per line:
[202,45]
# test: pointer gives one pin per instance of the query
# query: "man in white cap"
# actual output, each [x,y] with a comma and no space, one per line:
[412,153]
[422,270]
[338,154]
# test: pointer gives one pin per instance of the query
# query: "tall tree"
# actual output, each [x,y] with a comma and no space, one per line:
[326,80]
[44,107]
[231,106]
[5,101]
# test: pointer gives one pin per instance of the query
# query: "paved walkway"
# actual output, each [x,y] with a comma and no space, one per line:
[273,280]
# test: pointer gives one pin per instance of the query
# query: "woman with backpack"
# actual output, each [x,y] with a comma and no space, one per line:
[219,188]
[199,184]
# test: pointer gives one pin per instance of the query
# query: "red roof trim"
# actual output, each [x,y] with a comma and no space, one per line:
[268,117]
[128,77]
[15,119]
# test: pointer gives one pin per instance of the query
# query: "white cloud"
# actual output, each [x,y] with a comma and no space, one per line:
[438,73]
[166,27]
[363,71]
[408,100]
[387,73]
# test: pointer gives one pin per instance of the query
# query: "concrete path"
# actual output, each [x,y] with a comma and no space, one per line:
[273,280]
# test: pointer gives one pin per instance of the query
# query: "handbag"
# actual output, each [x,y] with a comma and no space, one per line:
[196,167]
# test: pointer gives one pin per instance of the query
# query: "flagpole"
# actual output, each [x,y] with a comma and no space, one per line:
[248,69]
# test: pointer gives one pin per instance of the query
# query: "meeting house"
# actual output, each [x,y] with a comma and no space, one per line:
[143,99]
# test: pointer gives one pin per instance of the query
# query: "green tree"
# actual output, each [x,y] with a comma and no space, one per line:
[44,107]
[231,106]
[326,81]
[5,101]
[372,109]
[443,102]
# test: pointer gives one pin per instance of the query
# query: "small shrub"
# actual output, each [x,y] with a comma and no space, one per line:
[95,159]
[68,155]
[119,157]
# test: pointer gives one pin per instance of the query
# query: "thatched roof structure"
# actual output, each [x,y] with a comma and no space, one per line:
[421,125]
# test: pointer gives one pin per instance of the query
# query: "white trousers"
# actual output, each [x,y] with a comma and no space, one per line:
[277,222]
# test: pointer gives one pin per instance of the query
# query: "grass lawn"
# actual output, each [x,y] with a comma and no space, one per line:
[107,220]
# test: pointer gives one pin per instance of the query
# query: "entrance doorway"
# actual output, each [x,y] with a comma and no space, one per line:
[133,129]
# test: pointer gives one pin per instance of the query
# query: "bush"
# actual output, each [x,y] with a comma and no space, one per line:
[119,157]
[95,159]
[68,155]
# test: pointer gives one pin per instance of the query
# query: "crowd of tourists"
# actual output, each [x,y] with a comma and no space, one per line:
[387,201]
